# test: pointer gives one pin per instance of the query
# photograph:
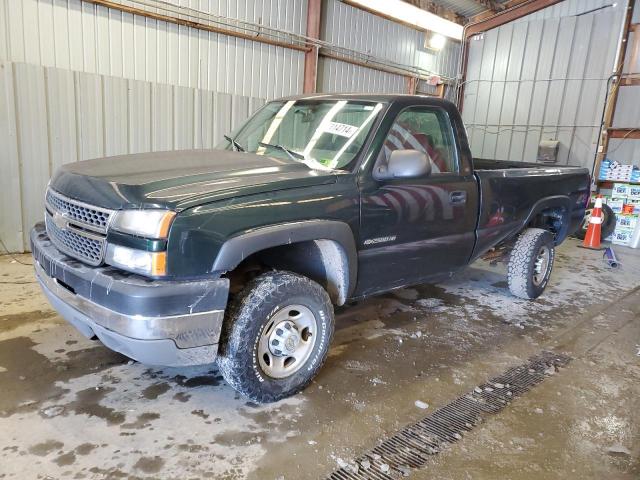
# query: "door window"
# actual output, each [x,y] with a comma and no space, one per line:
[427,130]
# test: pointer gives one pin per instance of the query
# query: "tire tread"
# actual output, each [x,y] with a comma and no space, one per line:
[520,260]
[242,312]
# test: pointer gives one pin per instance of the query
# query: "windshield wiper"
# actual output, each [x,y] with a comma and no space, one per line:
[295,156]
[236,146]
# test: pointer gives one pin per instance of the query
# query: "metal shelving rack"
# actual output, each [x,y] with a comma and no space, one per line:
[631,35]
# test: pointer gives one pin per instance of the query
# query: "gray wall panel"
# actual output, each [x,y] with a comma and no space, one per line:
[338,76]
[371,35]
[627,113]
[139,123]
[11,225]
[627,151]
[557,63]
[31,123]
[81,36]
[61,112]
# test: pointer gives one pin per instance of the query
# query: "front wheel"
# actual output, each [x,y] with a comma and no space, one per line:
[530,263]
[276,336]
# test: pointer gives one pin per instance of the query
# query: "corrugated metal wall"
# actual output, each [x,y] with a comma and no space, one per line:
[342,77]
[84,37]
[355,29]
[542,77]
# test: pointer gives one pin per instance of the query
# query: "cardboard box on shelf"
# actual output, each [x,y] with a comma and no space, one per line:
[634,192]
[616,178]
[626,221]
[622,236]
[611,170]
[616,205]
[620,190]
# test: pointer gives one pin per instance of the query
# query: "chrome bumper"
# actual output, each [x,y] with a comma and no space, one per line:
[134,325]
[189,330]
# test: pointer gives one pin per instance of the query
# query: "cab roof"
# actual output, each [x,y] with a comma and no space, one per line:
[374,97]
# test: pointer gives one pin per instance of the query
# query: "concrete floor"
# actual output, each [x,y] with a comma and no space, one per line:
[70,408]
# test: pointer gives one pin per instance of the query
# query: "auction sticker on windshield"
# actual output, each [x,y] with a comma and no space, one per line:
[342,129]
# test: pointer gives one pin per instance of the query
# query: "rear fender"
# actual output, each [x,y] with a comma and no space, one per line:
[562,204]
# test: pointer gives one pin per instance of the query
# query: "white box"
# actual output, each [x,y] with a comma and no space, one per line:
[626,221]
[622,236]
[620,190]
[616,205]
[634,192]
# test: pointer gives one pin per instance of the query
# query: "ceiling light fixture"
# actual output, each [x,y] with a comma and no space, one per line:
[407,13]
[437,41]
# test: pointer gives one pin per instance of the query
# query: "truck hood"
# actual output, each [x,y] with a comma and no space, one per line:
[180,179]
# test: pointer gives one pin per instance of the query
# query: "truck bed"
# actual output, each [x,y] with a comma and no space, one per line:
[509,191]
[488,164]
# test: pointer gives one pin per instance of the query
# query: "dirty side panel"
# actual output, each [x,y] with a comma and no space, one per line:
[509,195]
[198,233]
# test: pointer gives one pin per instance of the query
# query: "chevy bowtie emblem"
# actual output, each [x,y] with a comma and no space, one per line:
[60,220]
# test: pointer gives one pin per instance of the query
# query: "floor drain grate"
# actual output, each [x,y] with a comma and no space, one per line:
[411,447]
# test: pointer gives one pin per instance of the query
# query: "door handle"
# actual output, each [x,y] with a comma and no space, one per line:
[458,198]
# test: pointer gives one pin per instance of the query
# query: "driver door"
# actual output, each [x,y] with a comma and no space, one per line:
[422,227]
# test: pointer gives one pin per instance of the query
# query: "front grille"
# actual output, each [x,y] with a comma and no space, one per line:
[89,250]
[85,214]
[82,232]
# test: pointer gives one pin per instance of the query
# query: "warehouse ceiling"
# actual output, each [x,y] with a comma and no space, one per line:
[460,11]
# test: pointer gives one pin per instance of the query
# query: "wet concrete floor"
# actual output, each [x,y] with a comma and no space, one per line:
[70,408]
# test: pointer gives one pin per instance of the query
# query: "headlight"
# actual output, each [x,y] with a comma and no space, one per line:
[137,261]
[144,223]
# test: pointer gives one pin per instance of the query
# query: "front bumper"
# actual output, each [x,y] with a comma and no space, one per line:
[168,323]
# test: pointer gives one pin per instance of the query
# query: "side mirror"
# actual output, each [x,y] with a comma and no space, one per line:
[404,164]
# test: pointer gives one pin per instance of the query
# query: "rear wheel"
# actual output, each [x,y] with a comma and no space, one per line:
[530,263]
[276,336]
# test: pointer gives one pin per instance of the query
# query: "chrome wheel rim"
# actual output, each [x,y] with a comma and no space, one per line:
[541,265]
[286,341]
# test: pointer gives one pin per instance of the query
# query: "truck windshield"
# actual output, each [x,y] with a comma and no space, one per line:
[323,134]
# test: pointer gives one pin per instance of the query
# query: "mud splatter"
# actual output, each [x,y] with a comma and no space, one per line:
[45,448]
[85,448]
[182,397]
[15,320]
[199,381]
[31,377]
[88,403]
[154,391]
[143,421]
[65,459]
[149,464]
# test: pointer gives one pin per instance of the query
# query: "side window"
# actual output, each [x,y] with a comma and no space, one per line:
[424,129]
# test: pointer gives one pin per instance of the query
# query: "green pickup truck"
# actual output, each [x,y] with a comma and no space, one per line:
[238,255]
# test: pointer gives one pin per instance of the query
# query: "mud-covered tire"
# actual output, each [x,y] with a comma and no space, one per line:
[251,313]
[528,279]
